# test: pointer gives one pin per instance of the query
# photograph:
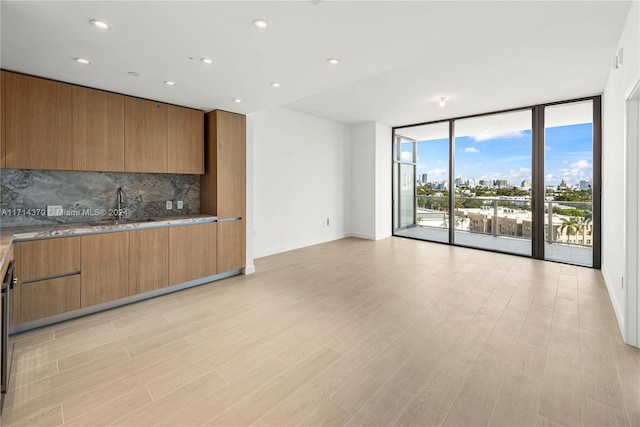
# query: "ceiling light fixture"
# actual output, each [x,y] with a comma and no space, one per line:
[133,74]
[237,100]
[100,24]
[442,99]
[170,83]
[207,61]
[274,84]
[260,23]
[82,61]
[333,61]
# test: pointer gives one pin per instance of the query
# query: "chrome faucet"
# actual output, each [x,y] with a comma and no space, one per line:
[120,196]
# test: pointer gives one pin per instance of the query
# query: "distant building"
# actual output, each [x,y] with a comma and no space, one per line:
[423,178]
[564,184]
[485,183]
[500,183]
[586,185]
[526,185]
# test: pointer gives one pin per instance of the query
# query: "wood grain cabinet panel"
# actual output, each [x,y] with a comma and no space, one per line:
[230,252]
[149,260]
[192,252]
[145,136]
[98,130]
[105,268]
[185,140]
[39,122]
[222,187]
[2,121]
[46,298]
[48,258]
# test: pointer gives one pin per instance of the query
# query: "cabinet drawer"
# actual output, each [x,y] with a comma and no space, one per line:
[49,258]
[46,298]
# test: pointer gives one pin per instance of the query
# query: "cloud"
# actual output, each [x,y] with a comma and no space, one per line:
[549,176]
[514,159]
[547,148]
[581,164]
[499,135]
[406,157]
[471,150]
[437,173]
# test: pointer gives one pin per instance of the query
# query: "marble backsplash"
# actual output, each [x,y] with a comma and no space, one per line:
[91,196]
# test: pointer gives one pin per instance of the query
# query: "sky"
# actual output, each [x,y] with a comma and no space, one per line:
[568,155]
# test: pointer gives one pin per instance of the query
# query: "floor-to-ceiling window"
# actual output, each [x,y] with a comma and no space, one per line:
[492,197]
[523,181]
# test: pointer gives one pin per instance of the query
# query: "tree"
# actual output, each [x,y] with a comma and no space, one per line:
[571,225]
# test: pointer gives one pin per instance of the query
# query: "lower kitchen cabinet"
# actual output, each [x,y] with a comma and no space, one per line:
[192,252]
[149,260]
[230,245]
[105,268]
[44,298]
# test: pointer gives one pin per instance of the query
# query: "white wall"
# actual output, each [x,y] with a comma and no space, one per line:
[363,180]
[383,181]
[619,83]
[371,181]
[301,177]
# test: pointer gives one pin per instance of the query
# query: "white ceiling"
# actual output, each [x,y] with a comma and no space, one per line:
[397,57]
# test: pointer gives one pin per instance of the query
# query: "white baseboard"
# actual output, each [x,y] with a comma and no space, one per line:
[297,245]
[617,309]
[363,236]
[249,269]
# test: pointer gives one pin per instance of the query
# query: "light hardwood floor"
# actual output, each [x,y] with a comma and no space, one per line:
[352,332]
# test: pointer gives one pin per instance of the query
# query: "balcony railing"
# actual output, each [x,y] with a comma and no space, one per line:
[566,223]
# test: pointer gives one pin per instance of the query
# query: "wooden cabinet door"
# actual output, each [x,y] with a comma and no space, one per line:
[231,136]
[149,260]
[230,245]
[192,252]
[145,136]
[38,123]
[185,140]
[48,258]
[2,120]
[105,268]
[46,298]
[98,130]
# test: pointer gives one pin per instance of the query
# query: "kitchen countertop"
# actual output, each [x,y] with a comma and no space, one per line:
[8,235]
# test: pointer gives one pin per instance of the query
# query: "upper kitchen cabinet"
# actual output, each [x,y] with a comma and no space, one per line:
[145,136]
[222,187]
[39,123]
[186,140]
[98,130]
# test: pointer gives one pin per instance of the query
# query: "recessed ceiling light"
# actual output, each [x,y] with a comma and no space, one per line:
[100,24]
[82,61]
[441,100]
[260,23]
[133,74]
[333,61]
[274,84]
[237,100]
[170,83]
[208,61]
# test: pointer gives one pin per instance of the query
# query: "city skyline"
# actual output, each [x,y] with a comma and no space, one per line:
[507,156]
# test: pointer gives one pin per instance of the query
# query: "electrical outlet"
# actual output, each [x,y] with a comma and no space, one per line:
[54,210]
[169,205]
[179,204]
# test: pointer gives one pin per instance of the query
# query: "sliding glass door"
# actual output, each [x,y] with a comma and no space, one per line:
[404,182]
